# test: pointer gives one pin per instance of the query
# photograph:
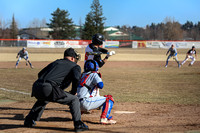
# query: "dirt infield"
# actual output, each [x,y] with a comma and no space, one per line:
[147,117]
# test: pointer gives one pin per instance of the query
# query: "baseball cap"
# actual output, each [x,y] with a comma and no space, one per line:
[72,53]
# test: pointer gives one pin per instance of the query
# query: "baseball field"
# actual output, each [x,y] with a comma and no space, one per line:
[148,97]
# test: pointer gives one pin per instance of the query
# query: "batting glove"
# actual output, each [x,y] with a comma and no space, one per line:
[110,53]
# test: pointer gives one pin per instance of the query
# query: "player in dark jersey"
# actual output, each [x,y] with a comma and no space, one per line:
[93,51]
[189,55]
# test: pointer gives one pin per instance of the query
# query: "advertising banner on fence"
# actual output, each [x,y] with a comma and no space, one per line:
[166,44]
[84,43]
[153,44]
[134,44]
[111,44]
[39,44]
[125,44]
[72,44]
[55,44]
[142,44]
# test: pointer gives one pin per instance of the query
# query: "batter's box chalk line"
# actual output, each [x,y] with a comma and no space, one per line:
[124,112]
[20,92]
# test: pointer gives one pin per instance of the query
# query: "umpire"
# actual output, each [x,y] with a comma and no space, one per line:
[52,80]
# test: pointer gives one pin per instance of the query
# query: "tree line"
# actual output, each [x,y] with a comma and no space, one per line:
[64,28]
[167,30]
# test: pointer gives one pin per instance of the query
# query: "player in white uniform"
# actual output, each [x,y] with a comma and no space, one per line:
[189,55]
[90,79]
[173,53]
[23,54]
[93,52]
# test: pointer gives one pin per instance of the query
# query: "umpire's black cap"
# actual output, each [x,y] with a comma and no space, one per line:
[72,53]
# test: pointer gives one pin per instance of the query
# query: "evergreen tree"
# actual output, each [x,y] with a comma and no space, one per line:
[62,26]
[89,28]
[94,22]
[13,28]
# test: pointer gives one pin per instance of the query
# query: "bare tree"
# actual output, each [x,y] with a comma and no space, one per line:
[35,23]
[172,30]
[43,23]
[4,30]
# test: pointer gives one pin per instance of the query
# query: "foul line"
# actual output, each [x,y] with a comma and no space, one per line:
[124,112]
[15,91]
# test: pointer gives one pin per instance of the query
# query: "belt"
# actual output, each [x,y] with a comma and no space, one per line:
[81,99]
[44,81]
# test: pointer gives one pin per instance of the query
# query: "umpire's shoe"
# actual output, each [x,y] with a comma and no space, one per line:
[29,123]
[80,126]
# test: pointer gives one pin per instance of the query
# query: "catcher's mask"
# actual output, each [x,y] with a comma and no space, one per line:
[91,65]
[97,39]
[72,53]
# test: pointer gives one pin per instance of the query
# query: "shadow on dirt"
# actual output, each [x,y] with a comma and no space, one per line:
[11,108]
[9,126]
[56,109]
[56,119]
[12,126]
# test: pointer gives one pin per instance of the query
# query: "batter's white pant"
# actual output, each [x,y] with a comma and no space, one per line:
[92,103]
[189,57]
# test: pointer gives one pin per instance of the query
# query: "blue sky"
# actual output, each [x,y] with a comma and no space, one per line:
[117,12]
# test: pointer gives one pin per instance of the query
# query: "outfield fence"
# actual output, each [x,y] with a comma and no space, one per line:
[107,44]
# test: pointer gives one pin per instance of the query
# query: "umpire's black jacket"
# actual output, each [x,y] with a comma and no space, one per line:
[54,78]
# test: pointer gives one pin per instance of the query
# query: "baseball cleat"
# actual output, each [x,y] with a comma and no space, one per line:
[80,126]
[107,121]
[165,65]
[190,65]
[29,123]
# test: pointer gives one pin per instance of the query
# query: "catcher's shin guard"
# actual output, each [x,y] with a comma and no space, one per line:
[107,106]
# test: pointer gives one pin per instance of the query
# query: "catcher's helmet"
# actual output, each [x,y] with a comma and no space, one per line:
[91,65]
[97,39]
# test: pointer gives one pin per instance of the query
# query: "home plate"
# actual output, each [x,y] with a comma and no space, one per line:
[124,112]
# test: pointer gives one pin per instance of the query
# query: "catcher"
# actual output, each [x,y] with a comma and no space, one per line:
[23,54]
[189,55]
[91,79]
[173,53]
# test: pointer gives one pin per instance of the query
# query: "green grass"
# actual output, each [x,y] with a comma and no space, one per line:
[153,84]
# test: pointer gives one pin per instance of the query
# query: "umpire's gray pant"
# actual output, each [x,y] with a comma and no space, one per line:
[71,100]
